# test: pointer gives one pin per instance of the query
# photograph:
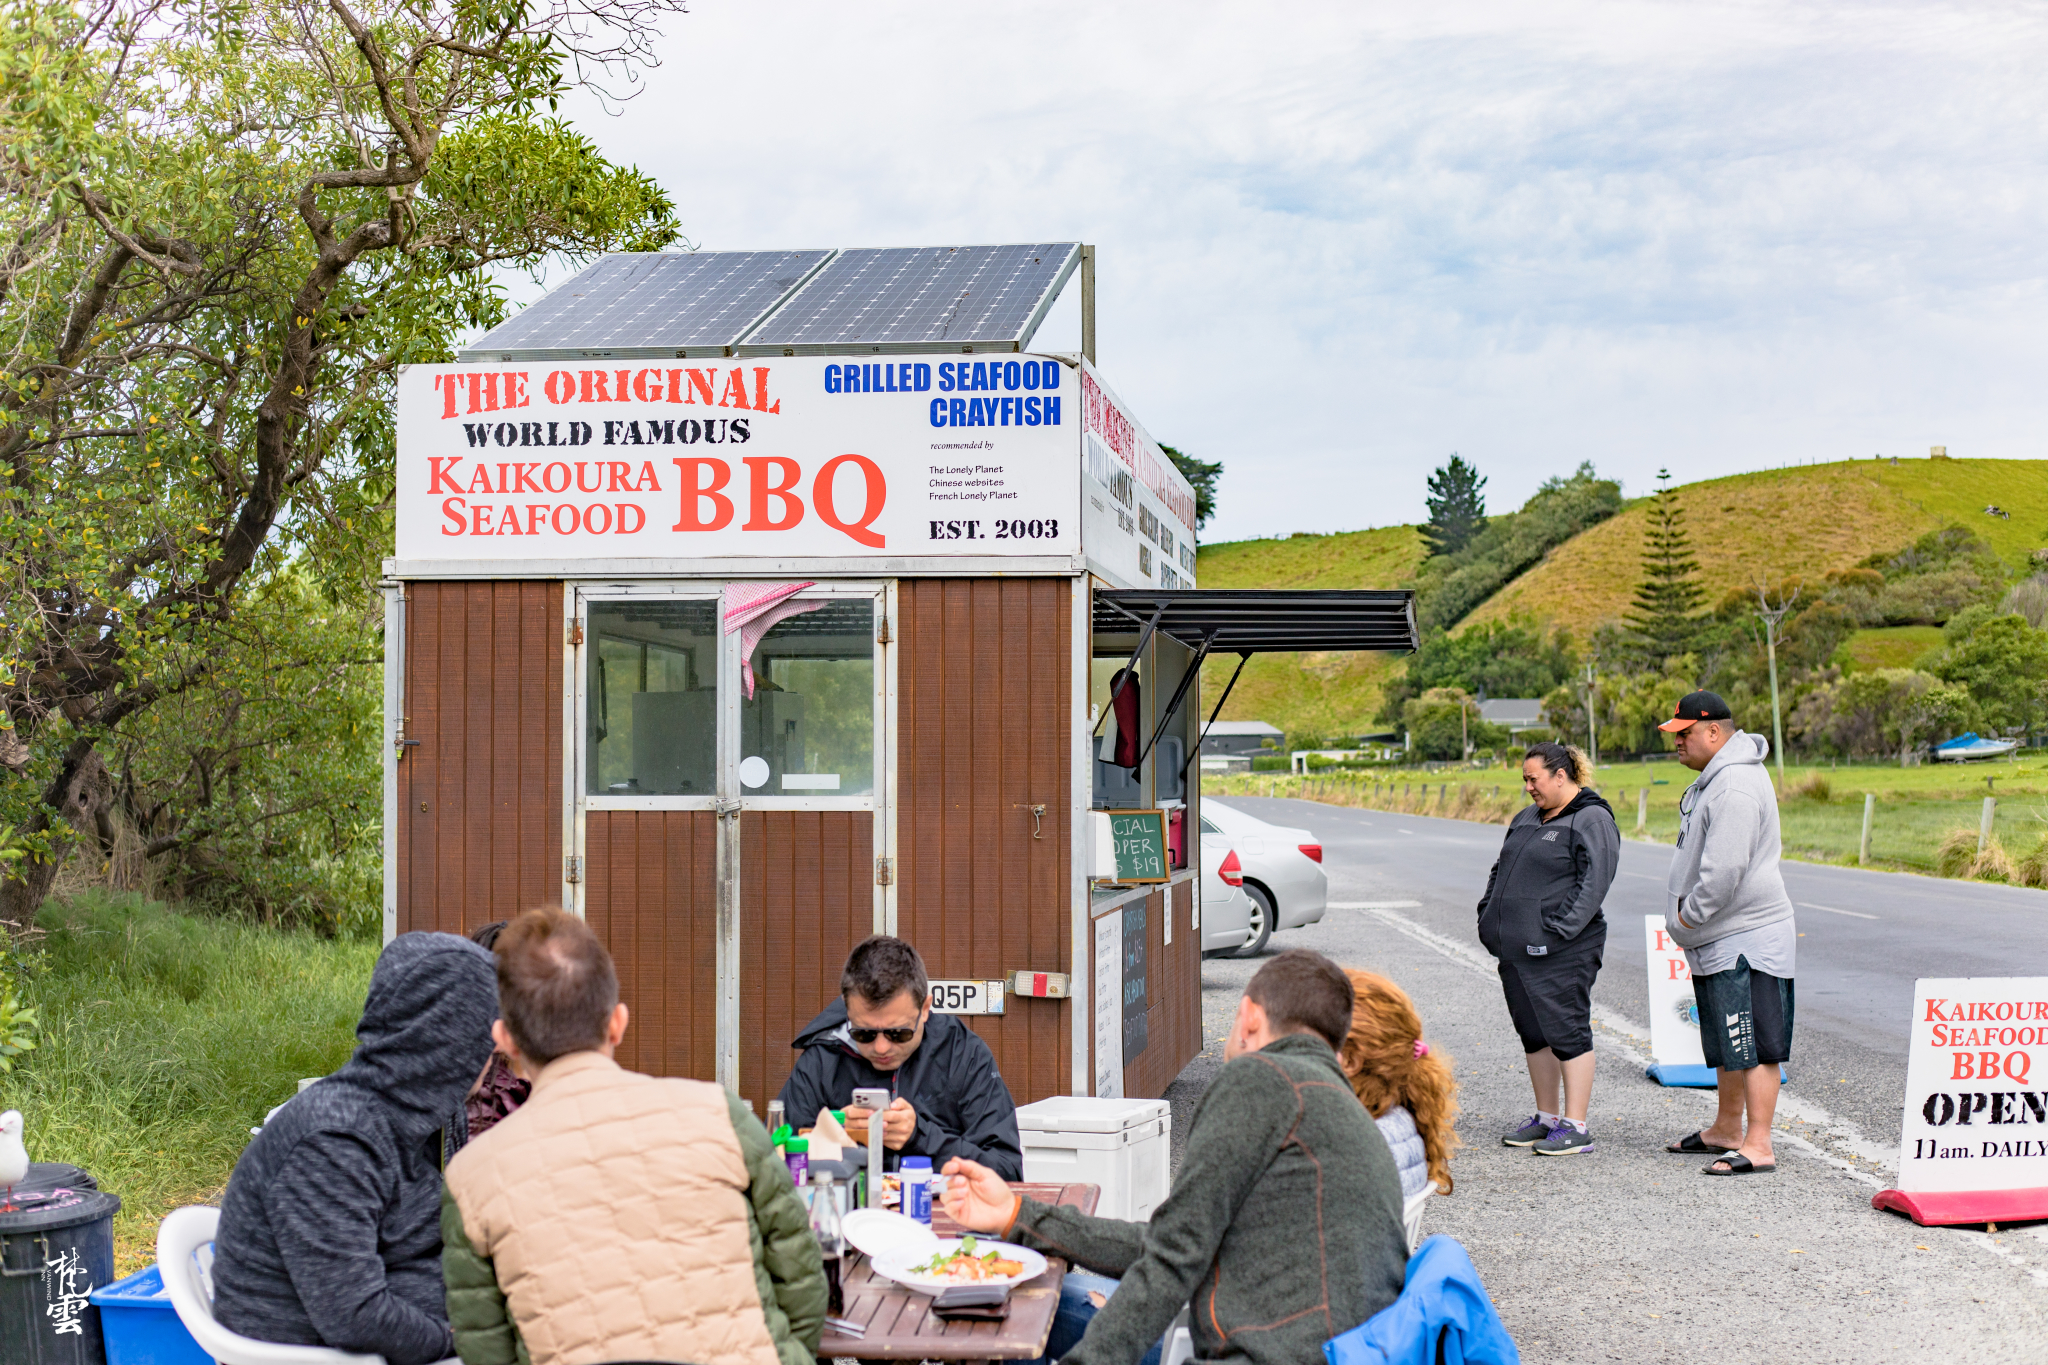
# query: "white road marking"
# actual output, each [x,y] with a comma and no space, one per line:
[1404,831]
[1645,876]
[1374,905]
[1844,1132]
[1853,914]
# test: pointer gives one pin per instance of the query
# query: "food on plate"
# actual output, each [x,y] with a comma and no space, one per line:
[968,1264]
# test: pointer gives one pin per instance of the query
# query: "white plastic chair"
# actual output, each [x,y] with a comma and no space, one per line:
[1411,1216]
[184,1256]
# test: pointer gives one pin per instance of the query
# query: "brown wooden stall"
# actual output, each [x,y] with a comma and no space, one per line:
[822,665]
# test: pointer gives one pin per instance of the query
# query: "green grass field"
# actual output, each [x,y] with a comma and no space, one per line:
[166,1037]
[1916,807]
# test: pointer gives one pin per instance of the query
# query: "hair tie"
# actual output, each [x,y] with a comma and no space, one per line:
[1421,1049]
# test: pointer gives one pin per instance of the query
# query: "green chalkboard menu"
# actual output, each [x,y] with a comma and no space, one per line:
[1138,838]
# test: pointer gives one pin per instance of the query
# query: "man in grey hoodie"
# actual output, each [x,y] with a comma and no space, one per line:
[1730,913]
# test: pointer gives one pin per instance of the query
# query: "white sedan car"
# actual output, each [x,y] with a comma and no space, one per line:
[1277,870]
[1226,909]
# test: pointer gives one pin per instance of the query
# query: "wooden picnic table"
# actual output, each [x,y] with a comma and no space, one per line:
[899,1322]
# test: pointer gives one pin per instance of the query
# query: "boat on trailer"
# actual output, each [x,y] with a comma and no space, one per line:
[1971,745]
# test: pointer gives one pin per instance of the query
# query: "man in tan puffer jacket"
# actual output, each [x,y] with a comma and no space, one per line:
[616,1216]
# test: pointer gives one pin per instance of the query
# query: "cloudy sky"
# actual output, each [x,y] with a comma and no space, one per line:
[1338,242]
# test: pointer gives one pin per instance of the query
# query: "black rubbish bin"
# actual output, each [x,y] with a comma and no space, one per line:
[56,1247]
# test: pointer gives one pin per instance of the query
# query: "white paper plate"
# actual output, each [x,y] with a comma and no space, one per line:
[878,1232]
[895,1265]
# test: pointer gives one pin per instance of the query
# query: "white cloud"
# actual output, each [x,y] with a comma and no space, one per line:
[1340,241]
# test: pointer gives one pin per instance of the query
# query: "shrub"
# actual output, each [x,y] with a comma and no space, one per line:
[2032,870]
[1958,857]
[1812,787]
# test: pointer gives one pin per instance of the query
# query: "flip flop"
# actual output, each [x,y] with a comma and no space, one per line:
[1694,1144]
[1737,1164]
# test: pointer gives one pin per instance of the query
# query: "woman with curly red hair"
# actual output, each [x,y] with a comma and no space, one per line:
[1407,1086]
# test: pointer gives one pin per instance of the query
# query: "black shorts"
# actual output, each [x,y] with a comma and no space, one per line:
[1745,1017]
[1552,1005]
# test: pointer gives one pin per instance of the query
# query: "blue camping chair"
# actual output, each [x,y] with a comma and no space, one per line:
[1443,1317]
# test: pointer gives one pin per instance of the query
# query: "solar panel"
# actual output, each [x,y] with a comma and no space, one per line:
[903,299]
[651,304]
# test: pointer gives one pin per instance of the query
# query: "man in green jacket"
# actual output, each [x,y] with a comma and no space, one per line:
[1283,1227]
[615,1216]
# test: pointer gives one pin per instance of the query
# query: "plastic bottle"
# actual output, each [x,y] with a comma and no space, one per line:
[916,1176]
[831,1240]
[797,1152]
[775,1116]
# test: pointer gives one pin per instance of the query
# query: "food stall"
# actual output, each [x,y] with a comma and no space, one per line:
[749,603]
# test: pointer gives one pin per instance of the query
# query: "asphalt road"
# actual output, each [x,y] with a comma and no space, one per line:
[1631,1254]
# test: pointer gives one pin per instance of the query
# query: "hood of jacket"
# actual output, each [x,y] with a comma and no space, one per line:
[1585,800]
[1742,747]
[426,1028]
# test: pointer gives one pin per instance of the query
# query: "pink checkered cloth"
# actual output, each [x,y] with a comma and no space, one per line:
[753,609]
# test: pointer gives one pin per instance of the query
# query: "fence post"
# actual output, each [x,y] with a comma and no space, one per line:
[1863,846]
[1984,825]
[1642,809]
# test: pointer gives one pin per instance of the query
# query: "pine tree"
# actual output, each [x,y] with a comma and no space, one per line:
[1457,507]
[1666,614]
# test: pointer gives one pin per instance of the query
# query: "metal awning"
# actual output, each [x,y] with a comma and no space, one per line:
[1262,621]
[1248,621]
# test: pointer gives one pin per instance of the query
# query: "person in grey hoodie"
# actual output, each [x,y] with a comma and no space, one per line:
[1541,918]
[330,1231]
[1728,909]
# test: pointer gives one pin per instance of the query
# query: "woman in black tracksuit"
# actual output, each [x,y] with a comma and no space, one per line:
[1541,918]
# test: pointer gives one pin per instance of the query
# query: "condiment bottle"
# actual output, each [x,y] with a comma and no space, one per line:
[797,1152]
[915,1177]
[825,1227]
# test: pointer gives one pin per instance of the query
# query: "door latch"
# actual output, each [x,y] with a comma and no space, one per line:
[575,633]
[885,871]
[572,867]
[726,806]
[881,630]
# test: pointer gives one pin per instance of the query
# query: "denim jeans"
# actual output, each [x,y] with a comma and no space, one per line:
[1076,1311]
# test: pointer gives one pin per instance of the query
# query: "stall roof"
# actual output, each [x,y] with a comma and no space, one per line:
[836,301]
[1258,621]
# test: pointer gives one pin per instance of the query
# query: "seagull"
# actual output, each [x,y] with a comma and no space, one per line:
[13,1156]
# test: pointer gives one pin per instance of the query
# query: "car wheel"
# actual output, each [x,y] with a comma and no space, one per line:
[1261,926]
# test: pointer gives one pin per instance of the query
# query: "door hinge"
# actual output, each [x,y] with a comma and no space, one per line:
[882,630]
[885,871]
[572,867]
[575,633]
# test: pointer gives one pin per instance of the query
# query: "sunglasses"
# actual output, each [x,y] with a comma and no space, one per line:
[894,1035]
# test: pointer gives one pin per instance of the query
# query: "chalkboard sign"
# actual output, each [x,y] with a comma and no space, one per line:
[1135,1038]
[1138,840]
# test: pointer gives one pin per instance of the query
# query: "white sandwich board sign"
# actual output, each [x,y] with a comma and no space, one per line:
[1973,1142]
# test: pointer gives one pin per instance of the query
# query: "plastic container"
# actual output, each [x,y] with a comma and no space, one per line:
[797,1152]
[141,1327]
[56,1248]
[915,1177]
[1120,1145]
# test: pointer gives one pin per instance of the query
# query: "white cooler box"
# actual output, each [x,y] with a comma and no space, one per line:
[1121,1145]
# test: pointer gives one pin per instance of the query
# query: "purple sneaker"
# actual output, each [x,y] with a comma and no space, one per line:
[1532,1131]
[1565,1139]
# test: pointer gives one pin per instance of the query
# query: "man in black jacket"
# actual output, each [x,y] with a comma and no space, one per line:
[330,1232]
[948,1099]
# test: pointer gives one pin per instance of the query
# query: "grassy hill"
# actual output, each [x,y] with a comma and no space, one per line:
[1804,520]
[1801,521]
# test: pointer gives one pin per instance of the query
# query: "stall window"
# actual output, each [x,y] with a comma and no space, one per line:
[653,698]
[809,728]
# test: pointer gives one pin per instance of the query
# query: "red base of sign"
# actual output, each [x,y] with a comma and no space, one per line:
[1931,1208]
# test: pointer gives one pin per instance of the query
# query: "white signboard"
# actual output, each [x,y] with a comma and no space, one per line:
[1976,1114]
[1109,1005]
[793,457]
[1674,1014]
[967,997]
[1139,512]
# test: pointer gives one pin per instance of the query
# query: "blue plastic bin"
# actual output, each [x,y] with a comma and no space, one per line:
[140,1325]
